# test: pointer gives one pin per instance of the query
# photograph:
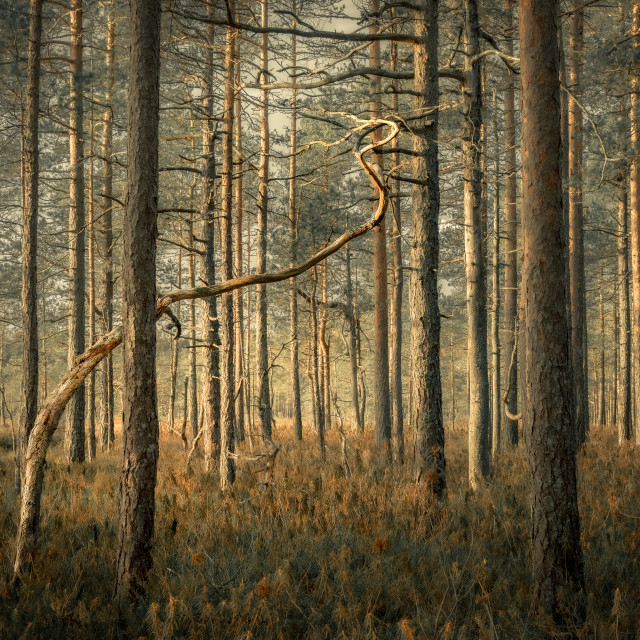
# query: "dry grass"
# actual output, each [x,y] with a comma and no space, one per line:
[318,555]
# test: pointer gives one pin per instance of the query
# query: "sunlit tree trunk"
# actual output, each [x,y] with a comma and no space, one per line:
[496,416]
[474,257]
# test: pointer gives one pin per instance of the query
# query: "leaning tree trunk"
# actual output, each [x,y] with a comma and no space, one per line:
[211,352]
[262,349]
[382,419]
[293,251]
[474,257]
[424,311]
[75,436]
[139,403]
[623,410]
[30,162]
[107,422]
[511,247]
[227,386]
[549,417]
[576,232]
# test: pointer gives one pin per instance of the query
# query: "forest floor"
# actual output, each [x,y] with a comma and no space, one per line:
[317,555]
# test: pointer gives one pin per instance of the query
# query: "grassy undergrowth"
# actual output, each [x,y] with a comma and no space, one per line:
[318,555]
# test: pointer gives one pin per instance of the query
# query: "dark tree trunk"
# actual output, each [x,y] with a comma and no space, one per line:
[140,418]
[30,161]
[426,385]
[549,417]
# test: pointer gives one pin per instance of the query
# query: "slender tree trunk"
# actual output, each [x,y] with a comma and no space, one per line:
[107,430]
[175,350]
[358,421]
[325,372]
[496,417]
[44,341]
[624,415]
[210,323]
[634,190]
[238,308]
[426,386]
[140,418]
[382,421]
[395,315]
[193,372]
[549,418]
[453,378]
[616,362]
[262,349]
[227,386]
[576,232]
[91,386]
[75,434]
[511,245]
[30,162]
[602,411]
[474,258]
[293,250]
[318,414]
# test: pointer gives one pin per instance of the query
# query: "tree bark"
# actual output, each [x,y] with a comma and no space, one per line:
[474,258]
[426,386]
[140,418]
[623,411]
[107,430]
[293,251]
[511,245]
[75,434]
[549,417]
[193,371]
[382,420]
[29,294]
[210,323]
[634,185]
[91,387]
[602,411]
[227,386]
[397,285]
[576,230]
[358,418]
[262,349]
[496,416]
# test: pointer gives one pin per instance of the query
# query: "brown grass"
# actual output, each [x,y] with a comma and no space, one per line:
[318,555]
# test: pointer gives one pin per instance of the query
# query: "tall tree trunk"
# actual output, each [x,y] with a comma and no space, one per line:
[474,257]
[549,417]
[91,386]
[175,350]
[318,415]
[511,246]
[634,188]
[30,163]
[602,411]
[496,416]
[382,419]
[616,363]
[293,250]
[210,323]
[623,411]
[140,418]
[227,386]
[395,315]
[238,309]
[576,232]
[75,436]
[424,311]
[262,349]
[325,372]
[107,424]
